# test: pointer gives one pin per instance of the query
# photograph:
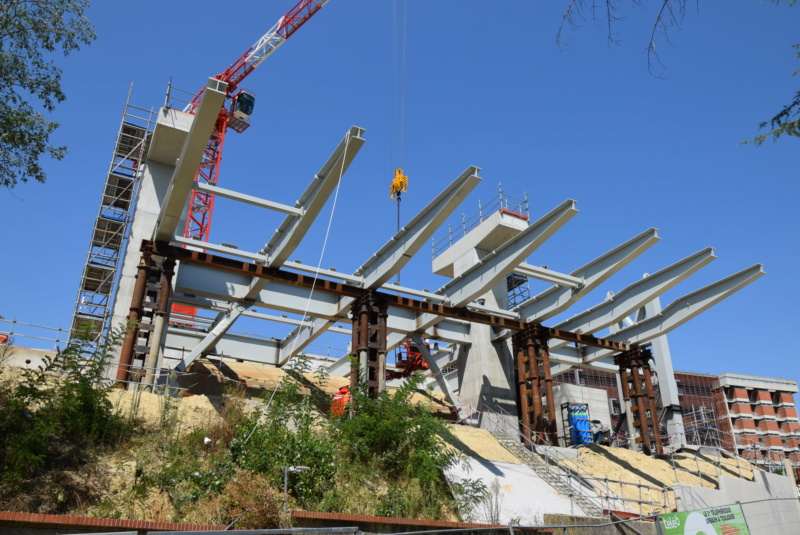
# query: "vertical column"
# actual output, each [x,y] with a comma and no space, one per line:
[135,314]
[523,390]
[637,388]
[534,380]
[159,320]
[369,313]
[547,376]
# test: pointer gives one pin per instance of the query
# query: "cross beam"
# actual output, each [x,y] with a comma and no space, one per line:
[324,285]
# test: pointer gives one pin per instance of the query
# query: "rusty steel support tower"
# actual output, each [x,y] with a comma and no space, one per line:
[369,313]
[534,380]
[636,378]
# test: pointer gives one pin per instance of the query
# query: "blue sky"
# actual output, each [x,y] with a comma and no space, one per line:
[486,86]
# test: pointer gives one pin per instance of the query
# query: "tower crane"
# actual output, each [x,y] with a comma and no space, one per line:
[236,110]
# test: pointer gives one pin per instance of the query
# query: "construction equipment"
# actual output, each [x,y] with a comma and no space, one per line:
[234,114]
[238,107]
[399,184]
[408,359]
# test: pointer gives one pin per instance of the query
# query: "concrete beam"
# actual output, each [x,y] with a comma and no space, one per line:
[395,254]
[548,275]
[452,399]
[559,298]
[191,156]
[390,259]
[494,267]
[634,296]
[293,229]
[679,311]
[286,238]
[248,199]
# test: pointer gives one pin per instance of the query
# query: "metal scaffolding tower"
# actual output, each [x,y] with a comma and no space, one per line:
[111,228]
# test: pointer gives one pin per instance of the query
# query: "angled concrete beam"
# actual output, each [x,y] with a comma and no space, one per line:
[548,275]
[248,199]
[395,254]
[634,296]
[391,258]
[680,311]
[452,399]
[494,267]
[191,156]
[559,298]
[288,236]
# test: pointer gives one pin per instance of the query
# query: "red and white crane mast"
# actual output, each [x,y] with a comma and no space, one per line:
[236,110]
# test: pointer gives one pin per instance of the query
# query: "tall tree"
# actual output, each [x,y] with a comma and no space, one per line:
[669,16]
[30,83]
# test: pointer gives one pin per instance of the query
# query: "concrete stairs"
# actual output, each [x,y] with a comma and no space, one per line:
[553,476]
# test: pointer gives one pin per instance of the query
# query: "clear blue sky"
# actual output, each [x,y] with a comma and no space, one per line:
[487,86]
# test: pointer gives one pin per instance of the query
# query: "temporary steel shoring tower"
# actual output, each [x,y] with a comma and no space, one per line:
[111,228]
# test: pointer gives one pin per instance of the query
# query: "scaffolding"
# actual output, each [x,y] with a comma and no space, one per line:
[111,229]
[701,426]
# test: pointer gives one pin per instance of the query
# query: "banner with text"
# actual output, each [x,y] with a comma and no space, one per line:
[723,520]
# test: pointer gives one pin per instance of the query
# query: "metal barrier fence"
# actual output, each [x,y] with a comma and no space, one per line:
[767,517]
[27,334]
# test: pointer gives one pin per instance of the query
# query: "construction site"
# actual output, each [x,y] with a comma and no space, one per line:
[583,417]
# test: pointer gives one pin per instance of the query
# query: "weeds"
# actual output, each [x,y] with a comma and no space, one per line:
[386,458]
[50,417]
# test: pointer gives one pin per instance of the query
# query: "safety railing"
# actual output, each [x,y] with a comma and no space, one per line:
[501,202]
[658,499]
[21,334]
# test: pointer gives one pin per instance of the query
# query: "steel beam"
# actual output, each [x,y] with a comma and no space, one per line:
[194,147]
[679,311]
[634,296]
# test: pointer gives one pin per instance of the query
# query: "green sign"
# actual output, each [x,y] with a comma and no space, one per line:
[724,520]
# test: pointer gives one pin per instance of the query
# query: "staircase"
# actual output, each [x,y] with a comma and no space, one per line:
[554,477]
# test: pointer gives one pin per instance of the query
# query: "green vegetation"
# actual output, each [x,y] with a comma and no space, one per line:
[30,83]
[52,416]
[386,458]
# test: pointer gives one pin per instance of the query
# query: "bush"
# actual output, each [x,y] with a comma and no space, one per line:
[400,438]
[50,417]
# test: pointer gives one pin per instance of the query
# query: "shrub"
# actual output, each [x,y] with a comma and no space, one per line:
[49,418]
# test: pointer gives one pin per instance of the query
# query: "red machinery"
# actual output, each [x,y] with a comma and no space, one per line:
[233,115]
[236,110]
[408,358]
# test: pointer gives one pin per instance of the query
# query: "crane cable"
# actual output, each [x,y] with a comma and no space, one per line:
[398,149]
[311,293]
